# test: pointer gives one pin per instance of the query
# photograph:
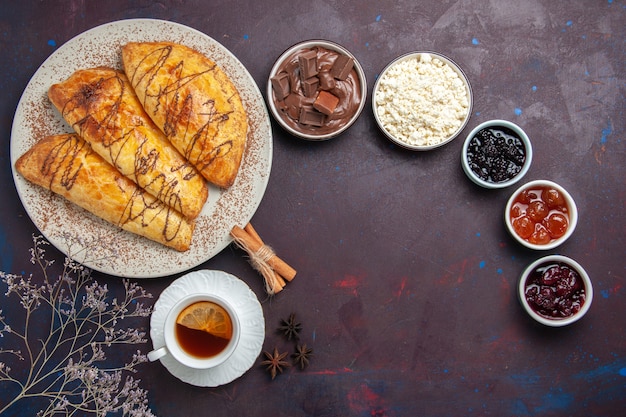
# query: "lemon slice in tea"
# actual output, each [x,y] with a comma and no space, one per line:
[208,317]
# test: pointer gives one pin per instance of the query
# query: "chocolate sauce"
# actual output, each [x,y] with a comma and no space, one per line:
[65,165]
[106,112]
[179,107]
[295,91]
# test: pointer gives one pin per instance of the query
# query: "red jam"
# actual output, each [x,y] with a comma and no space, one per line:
[540,215]
[555,290]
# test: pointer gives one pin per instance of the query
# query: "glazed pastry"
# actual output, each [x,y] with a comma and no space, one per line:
[194,103]
[102,107]
[68,166]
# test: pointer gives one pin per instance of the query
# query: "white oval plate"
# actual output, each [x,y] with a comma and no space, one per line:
[100,245]
[243,300]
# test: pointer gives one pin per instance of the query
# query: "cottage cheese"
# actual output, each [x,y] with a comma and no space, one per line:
[421,100]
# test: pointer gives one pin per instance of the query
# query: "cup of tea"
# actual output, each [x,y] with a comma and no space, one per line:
[201,331]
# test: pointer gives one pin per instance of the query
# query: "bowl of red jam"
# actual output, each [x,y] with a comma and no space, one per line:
[316,90]
[496,154]
[555,290]
[541,215]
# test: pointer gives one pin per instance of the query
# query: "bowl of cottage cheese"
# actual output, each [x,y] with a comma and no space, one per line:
[422,100]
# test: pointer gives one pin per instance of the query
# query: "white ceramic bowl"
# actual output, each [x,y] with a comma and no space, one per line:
[551,260]
[410,111]
[572,213]
[497,125]
[311,132]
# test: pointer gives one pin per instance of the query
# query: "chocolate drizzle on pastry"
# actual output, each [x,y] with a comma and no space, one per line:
[194,103]
[102,107]
[68,166]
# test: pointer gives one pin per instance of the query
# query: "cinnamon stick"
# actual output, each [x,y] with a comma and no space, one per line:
[252,232]
[276,263]
[254,235]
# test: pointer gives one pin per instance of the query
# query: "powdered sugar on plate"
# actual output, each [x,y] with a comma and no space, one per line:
[95,243]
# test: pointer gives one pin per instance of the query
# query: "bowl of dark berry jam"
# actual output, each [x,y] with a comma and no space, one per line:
[496,154]
[541,215]
[555,290]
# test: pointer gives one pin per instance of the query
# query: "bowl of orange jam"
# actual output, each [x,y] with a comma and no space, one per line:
[541,215]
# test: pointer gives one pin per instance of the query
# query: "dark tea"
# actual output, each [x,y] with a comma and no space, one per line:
[203,329]
[199,343]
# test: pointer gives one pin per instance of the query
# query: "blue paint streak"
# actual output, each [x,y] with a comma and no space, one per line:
[52,42]
[606,132]
[482,264]
[519,408]
[378,18]
[569,23]
[246,37]
[534,88]
[477,234]
[475,41]
[499,271]
[605,293]
[518,111]
[527,378]
[602,372]
[554,400]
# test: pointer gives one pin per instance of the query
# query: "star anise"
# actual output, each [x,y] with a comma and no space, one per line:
[275,362]
[290,327]
[302,355]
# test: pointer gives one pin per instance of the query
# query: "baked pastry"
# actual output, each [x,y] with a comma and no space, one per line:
[68,166]
[101,106]
[195,104]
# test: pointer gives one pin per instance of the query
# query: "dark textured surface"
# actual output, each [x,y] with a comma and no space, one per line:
[406,274]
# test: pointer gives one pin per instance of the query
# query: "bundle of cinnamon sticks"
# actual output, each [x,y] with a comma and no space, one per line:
[274,270]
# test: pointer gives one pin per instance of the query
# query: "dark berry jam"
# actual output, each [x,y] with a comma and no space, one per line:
[540,215]
[555,290]
[496,154]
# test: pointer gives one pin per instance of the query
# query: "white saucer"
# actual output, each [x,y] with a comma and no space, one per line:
[251,319]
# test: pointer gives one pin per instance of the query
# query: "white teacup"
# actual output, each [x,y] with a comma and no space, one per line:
[180,344]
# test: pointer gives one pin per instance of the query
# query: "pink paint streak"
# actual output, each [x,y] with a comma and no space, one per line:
[332,371]
[398,292]
[363,399]
[616,289]
[454,273]
[350,283]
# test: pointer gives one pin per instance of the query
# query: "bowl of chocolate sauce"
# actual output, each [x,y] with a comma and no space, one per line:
[316,90]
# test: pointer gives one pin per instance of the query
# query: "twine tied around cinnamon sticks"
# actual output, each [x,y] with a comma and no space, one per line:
[276,272]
